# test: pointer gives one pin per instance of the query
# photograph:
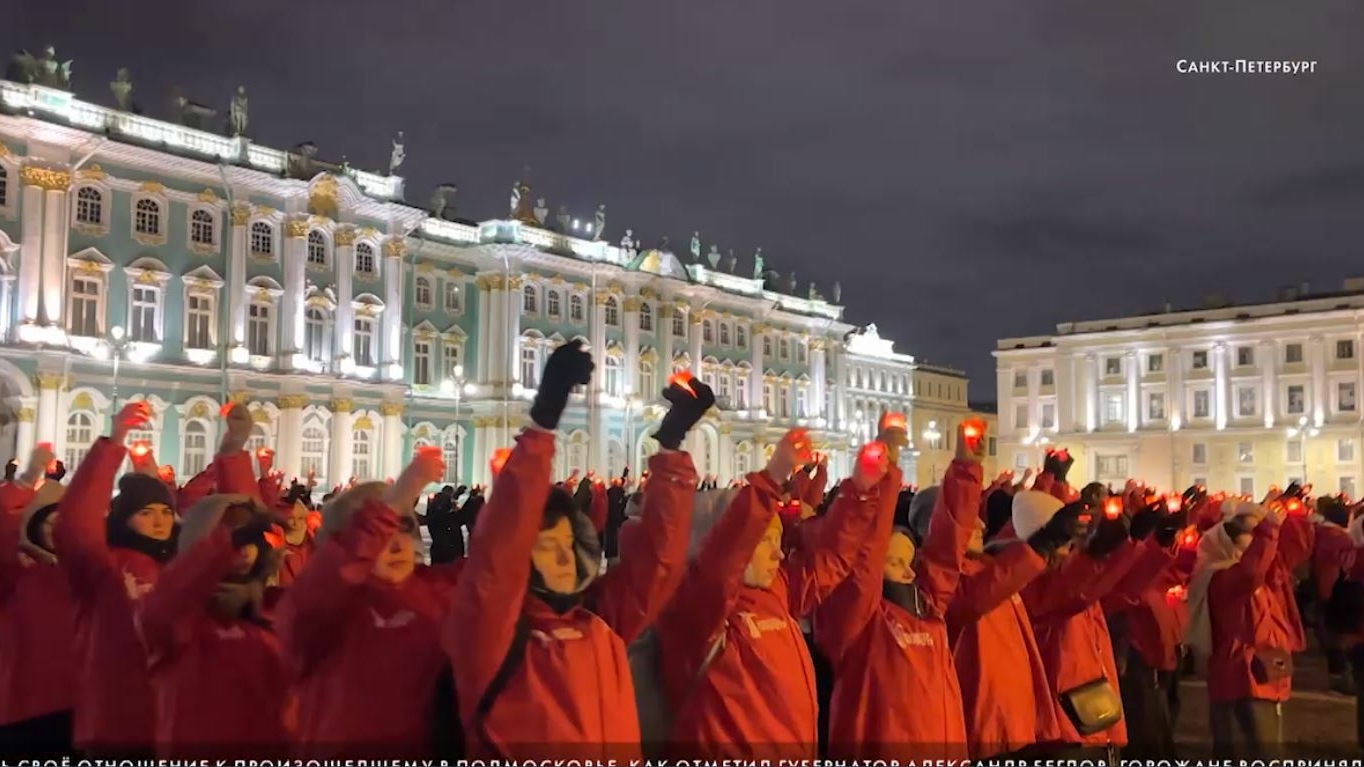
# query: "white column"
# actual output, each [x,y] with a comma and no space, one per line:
[236,278]
[497,332]
[291,303]
[511,347]
[755,376]
[484,365]
[1092,392]
[55,234]
[596,415]
[49,406]
[6,303]
[1174,386]
[1317,345]
[1134,405]
[1219,392]
[1269,371]
[1065,378]
[664,331]
[342,441]
[694,350]
[394,251]
[30,250]
[838,408]
[289,452]
[818,378]
[392,459]
[631,371]
[343,323]
[479,473]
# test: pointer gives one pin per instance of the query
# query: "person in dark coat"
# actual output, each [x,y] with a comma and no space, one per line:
[442,522]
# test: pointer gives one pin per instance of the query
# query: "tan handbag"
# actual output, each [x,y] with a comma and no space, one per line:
[1092,707]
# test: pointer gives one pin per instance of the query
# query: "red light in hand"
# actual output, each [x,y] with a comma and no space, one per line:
[1113,508]
[893,421]
[1173,504]
[1189,539]
[499,460]
[1176,594]
[1295,507]
[682,379]
[140,449]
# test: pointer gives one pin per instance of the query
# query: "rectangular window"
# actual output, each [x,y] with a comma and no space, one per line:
[258,330]
[314,333]
[1202,407]
[1345,349]
[707,332]
[530,365]
[1155,363]
[1293,451]
[802,405]
[1347,487]
[1200,453]
[1246,401]
[421,362]
[992,446]
[784,402]
[1048,415]
[1292,354]
[450,360]
[1345,450]
[1112,466]
[1248,486]
[364,342]
[1113,366]
[1020,416]
[453,297]
[1200,481]
[1245,452]
[784,349]
[1155,407]
[679,324]
[1345,397]
[198,320]
[1048,377]
[1021,461]
[142,322]
[1020,379]
[1113,408]
[84,312]
[1297,400]
[1245,356]
[1200,360]
[724,334]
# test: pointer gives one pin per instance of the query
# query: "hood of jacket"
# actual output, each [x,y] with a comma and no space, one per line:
[39,508]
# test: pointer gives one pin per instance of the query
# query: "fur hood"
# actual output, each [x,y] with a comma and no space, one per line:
[205,515]
[43,502]
[337,512]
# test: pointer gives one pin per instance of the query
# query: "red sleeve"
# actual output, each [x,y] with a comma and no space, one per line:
[1152,561]
[955,515]
[234,474]
[1049,484]
[1241,579]
[1295,541]
[714,577]
[199,487]
[492,587]
[630,595]
[1079,582]
[847,610]
[813,572]
[814,493]
[598,508]
[270,490]
[184,586]
[800,486]
[79,533]
[9,561]
[14,496]
[1003,575]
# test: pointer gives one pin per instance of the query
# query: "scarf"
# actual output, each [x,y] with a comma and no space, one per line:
[1216,552]
[120,536]
[238,599]
[906,595]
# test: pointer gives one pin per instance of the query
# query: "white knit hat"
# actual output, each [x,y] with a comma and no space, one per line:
[1032,510]
[1235,507]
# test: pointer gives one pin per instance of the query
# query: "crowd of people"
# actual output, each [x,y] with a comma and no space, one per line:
[660,615]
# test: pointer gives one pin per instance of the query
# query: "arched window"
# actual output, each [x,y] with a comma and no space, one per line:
[314,451]
[615,369]
[89,206]
[648,384]
[724,334]
[552,306]
[364,258]
[148,218]
[679,323]
[363,341]
[741,336]
[530,361]
[451,455]
[743,458]
[575,308]
[615,458]
[529,303]
[360,456]
[423,292]
[646,318]
[201,227]
[612,312]
[262,239]
[259,438]
[577,453]
[80,434]
[317,248]
[315,333]
[195,449]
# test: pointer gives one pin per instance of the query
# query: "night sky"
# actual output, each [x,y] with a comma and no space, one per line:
[968,170]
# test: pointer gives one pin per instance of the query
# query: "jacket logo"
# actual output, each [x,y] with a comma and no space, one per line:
[396,622]
[910,638]
[231,632]
[561,634]
[759,626]
[136,589]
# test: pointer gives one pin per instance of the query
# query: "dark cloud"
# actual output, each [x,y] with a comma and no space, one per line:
[968,171]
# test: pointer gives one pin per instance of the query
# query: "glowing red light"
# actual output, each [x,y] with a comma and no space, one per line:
[972,429]
[682,379]
[1062,455]
[1113,508]
[893,421]
[274,537]
[1176,594]
[1295,507]
[140,449]
[499,460]
[1173,504]
[264,452]
[1189,539]
[1085,519]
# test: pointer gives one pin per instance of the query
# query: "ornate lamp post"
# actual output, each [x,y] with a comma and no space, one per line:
[1303,430]
[931,436]
[116,342]
[455,387]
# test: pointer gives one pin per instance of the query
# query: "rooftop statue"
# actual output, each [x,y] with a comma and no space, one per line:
[515,198]
[758,264]
[713,257]
[600,225]
[541,211]
[733,262]
[26,68]
[236,114]
[838,291]
[399,154]
[122,87]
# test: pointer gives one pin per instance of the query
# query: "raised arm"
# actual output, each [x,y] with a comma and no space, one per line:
[1297,535]
[183,588]
[1085,576]
[956,514]
[1242,579]
[232,464]
[199,487]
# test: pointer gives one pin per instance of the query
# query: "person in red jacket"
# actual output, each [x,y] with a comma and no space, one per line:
[991,634]
[884,629]
[111,562]
[538,651]
[1332,554]
[213,660]
[1244,623]
[1072,633]
[37,658]
[735,665]
[361,626]
[298,539]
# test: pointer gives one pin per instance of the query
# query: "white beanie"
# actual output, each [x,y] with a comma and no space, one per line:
[1032,510]
[1233,508]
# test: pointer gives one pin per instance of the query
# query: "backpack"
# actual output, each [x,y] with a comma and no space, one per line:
[1344,609]
[651,700]
[449,742]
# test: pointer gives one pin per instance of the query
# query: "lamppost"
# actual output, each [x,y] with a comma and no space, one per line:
[931,436]
[115,342]
[631,402]
[455,387]
[1303,431]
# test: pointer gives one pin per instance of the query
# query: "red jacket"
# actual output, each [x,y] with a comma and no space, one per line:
[366,654]
[1070,628]
[1251,605]
[37,656]
[809,489]
[895,686]
[1006,697]
[1154,619]
[113,700]
[292,559]
[198,487]
[757,697]
[219,684]
[573,684]
[1332,555]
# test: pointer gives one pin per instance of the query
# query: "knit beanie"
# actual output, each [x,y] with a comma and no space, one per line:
[43,504]
[921,513]
[137,491]
[1032,510]
[999,507]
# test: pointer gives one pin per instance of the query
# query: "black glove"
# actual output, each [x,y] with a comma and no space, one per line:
[1146,520]
[251,532]
[1107,536]
[1061,529]
[1170,525]
[1193,496]
[567,367]
[1057,466]
[687,408]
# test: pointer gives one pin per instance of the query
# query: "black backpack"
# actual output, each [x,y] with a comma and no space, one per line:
[1344,609]
[449,743]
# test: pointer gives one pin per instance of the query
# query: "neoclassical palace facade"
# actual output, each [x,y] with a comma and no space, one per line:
[143,259]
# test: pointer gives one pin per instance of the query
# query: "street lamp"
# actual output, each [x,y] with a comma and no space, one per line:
[631,402]
[455,387]
[931,436]
[116,342]
[1303,430]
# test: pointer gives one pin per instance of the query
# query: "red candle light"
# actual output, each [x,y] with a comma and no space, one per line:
[682,379]
[893,421]
[1176,594]
[140,449]
[1295,507]
[1113,507]
[499,460]
[972,429]
[1173,503]
[1189,538]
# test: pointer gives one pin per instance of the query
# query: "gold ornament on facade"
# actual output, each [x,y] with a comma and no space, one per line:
[147,277]
[241,215]
[93,173]
[365,310]
[49,381]
[26,414]
[291,401]
[341,406]
[631,304]
[85,266]
[601,299]
[45,178]
[296,227]
[367,233]
[322,197]
[239,397]
[198,410]
[4,150]
[421,432]
[82,401]
[262,296]
[344,237]
[209,196]
[264,211]
[259,415]
[152,187]
[390,409]
[363,423]
[489,282]
[395,248]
